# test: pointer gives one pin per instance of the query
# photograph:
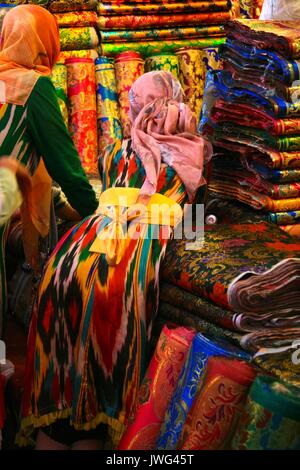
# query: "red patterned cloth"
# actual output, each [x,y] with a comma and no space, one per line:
[157,389]
[217,407]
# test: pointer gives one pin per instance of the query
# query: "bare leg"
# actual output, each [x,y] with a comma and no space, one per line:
[88,444]
[44,442]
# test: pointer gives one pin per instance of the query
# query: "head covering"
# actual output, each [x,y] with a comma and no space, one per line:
[283,10]
[29,48]
[164,129]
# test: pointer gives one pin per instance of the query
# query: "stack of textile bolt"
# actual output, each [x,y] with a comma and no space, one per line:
[156,27]
[255,115]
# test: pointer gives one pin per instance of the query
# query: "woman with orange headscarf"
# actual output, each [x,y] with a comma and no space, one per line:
[99,295]
[32,129]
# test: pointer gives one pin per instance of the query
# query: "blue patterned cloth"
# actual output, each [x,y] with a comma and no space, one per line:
[202,348]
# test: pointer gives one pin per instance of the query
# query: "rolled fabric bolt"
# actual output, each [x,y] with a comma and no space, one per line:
[59,80]
[108,113]
[128,66]
[168,62]
[192,77]
[82,110]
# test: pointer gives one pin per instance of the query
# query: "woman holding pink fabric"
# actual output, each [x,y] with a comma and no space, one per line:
[99,295]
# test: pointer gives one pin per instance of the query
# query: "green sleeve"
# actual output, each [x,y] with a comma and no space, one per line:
[53,142]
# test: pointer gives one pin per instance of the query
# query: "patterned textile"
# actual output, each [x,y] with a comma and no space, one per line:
[251,8]
[78,38]
[245,115]
[283,218]
[82,109]
[257,138]
[227,251]
[234,189]
[180,316]
[275,176]
[235,91]
[71,5]
[184,308]
[278,361]
[260,64]
[104,387]
[253,181]
[276,160]
[163,373]
[280,36]
[161,8]
[218,404]
[59,80]
[76,19]
[211,58]
[271,419]
[163,33]
[148,48]
[192,75]
[84,54]
[156,20]
[198,306]
[202,348]
[108,113]
[168,62]
[128,66]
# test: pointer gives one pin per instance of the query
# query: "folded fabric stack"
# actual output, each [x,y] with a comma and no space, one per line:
[242,285]
[255,115]
[162,26]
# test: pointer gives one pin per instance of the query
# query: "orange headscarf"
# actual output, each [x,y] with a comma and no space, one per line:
[29,48]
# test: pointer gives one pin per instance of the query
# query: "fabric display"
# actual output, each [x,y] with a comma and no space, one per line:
[76,19]
[181,316]
[168,62]
[205,289]
[108,112]
[83,54]
[201,350]
[192,77]
[163,374]
[252,109]
[271,417]
[155,34]
[128,66]
[250,9]
[82,110]
[282,37]
[78,38]
[148,48]
[161,8]
[218,405]
[155,20]
[60,82]
[70,5]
